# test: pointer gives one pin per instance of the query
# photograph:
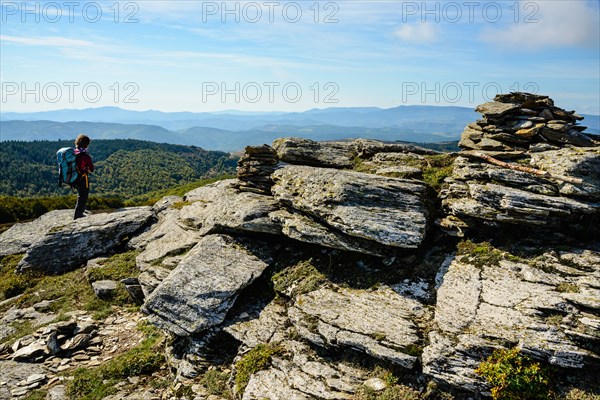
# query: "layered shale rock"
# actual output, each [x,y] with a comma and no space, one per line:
[349,318]
[255,168]
[546,306]
[221,207]
[198,293]
[514,122]
[387,211]
[308,229]
[69,246]
[339,154]
[551,181]
[301,374]
[317,154]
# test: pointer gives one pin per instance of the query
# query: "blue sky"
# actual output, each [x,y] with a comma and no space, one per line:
[294,56]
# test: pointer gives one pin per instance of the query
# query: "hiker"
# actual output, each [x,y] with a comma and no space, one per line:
[84,167]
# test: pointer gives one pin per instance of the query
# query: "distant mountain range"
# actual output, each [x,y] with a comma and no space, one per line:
[411,117]
[232,130]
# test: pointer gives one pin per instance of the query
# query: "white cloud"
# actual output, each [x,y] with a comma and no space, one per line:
[553,23]
[49,41]
[417,33]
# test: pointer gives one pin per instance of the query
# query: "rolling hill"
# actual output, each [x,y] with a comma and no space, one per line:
[212,138]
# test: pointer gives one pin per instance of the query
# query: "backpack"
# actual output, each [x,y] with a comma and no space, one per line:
[67,166]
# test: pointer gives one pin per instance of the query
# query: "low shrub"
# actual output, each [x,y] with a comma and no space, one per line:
[513,376]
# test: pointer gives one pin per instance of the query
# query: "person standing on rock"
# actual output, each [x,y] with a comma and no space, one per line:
[84,167]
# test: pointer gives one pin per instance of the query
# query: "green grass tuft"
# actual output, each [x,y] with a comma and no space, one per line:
[300,278]
[117,267]
[11,283]
[215,383]
[180,204]
[436,168]
[479,254]
[72,290]
[396,392]
[257,359]
[39,394]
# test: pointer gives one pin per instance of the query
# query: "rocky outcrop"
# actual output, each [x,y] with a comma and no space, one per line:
[517,127]
[367,148]
[496,203]
[328,259]
[340,155]
[297,371]
[387,211]
[198,293]
[67,247]
[305,228]
[161,248]
[582,163]
[485,305]
[347,318]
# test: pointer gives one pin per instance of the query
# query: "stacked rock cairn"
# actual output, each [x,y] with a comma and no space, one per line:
[517,122]
[255,168]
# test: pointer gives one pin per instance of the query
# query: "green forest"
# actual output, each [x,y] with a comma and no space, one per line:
[124,168]
[127,172]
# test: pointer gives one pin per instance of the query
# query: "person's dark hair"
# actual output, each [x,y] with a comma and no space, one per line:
[82,141]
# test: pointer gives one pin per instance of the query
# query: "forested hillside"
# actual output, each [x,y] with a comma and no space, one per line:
[124,168]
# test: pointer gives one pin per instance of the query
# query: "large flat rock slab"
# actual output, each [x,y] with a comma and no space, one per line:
[306,229]
[198,293]
[380,323]
[166,238]
[221,207]
[389,211]
[22,236]
[318,154]
[302,374]
[67,247]
[162,248]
